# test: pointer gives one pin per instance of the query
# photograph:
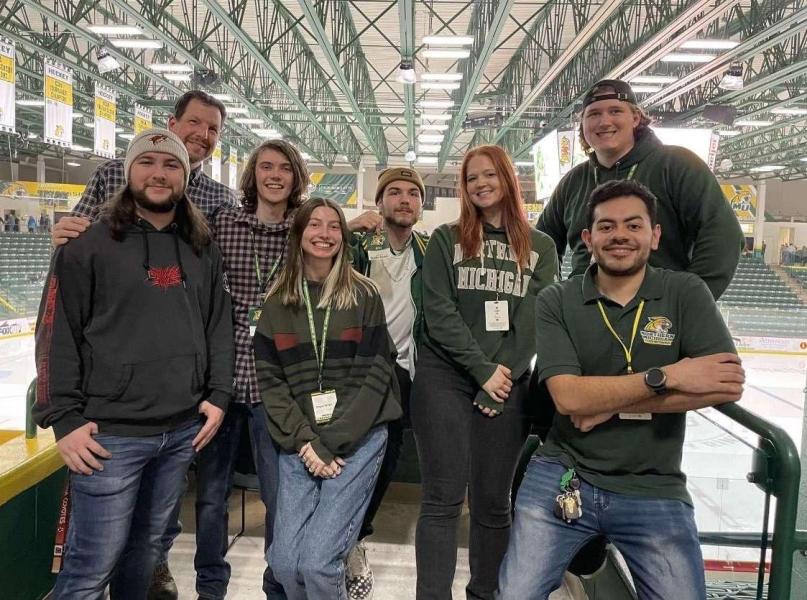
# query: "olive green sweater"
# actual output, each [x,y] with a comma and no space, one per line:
[699,231]
[456,288]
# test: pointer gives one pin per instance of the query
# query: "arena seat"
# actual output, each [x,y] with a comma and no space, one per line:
[24,263]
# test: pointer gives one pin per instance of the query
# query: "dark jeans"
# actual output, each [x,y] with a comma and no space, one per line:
[215,467]
[118,515]
[461,449]
[393,453]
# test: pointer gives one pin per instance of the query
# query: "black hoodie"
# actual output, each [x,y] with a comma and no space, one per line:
[699,231]
[132,334]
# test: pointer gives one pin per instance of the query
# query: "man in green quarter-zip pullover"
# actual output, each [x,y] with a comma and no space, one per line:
[700,232]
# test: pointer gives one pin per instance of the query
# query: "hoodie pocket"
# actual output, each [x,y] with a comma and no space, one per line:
[152,389]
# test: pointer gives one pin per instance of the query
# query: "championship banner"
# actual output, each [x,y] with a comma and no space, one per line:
[215,164]
[105,116]
[340,188]
[142,119]
[58,104]
[232,171]
[743,201]
[58,196]
[7,86]
[534,210]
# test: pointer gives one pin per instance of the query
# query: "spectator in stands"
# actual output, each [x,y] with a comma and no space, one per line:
[135,364]
[468,405]
[701,232]
[390,252]
[325,366]
[31,224]
[197,120]
[12,223]
[253,240]
[614,450]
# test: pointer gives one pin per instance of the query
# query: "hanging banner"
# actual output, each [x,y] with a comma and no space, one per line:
[743,200]
[341,188]
[58,104]
[105,115]
[7,86]
[142,119]
[215,164]
[232,170]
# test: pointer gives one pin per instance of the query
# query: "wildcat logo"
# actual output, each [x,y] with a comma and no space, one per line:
[657,332]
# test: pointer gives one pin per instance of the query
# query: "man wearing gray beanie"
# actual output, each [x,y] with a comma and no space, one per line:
[134,353]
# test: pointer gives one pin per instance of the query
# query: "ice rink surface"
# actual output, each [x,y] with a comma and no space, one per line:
[717,453]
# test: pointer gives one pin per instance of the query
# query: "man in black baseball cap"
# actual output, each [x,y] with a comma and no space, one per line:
[701,233]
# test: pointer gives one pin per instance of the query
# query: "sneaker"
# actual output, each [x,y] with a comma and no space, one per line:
[358,575]
[163,586]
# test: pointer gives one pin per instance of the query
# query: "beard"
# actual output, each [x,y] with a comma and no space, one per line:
[399,219]
[163,206]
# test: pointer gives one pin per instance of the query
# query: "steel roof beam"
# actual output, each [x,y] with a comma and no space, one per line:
[350,72]
[585,33]
[406,18]
[487,22]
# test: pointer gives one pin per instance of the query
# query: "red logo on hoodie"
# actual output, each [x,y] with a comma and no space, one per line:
[165,277]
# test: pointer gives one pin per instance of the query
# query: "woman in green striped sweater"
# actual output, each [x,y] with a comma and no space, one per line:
[325,367]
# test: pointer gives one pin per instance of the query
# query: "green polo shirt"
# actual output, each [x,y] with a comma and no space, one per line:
[679,320]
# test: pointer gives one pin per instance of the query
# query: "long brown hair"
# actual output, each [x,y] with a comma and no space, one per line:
[339,289]
[120,212]
[514,219]
[249,185]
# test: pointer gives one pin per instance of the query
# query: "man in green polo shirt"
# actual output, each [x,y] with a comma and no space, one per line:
[625,349]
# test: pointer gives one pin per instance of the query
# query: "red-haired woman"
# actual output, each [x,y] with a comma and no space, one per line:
[480,275]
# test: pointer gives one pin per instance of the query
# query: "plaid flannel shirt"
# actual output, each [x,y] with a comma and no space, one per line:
[232,228]
[109,177]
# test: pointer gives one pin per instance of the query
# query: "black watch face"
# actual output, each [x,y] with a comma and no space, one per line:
[655,377]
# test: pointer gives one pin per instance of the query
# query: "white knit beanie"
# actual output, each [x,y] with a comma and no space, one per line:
[157,140]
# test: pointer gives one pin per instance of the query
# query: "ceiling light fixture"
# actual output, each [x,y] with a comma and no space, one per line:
[236,110]
[767,168]
[431,137]
[269,134]
[248,121]
[89,124]
[106,62]
[433,127]
[429,148]
[445,53]
[223,97]
[435,116]
[436,103]
[30,102]
[179,77]
[646,89]
[410,155]
[428,160]
[406,72]
[115,29]
[524,163]
[709,44]
[439,85]
[728,132]
[441,76]
[752,123]
[688,57]
[171,68]
[127,136]
[71,163]
[80,148]
[136,44]
[789,111]
[448,40]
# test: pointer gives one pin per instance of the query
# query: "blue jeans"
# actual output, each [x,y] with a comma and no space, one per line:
[215,466]
[318,520]
[656,536]
[118,515]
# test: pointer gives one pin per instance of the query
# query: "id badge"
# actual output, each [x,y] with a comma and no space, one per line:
[324,404]
[636,416]
[497,316]
[254,317]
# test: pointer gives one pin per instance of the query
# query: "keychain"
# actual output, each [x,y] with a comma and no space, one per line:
[569,504]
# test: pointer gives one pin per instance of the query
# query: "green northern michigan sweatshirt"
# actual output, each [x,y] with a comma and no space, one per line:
[699,231]
[455,289]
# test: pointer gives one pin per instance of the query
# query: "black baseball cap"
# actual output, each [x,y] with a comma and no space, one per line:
[610,89]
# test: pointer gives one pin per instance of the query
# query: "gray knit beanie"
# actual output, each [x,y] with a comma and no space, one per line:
[157,140]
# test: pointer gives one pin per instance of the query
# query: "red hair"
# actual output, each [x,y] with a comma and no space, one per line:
[514,218]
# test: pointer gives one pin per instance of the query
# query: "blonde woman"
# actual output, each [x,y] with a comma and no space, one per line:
[325,367]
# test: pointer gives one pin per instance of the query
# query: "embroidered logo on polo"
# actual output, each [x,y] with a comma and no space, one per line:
[657,332]
[165,277]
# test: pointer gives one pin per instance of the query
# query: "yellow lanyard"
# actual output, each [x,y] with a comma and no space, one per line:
[627,349]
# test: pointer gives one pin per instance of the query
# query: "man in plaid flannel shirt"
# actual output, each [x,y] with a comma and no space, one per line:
[197,121]
[252,239]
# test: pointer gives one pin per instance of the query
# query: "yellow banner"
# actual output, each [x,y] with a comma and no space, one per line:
[7,69]
[105,109]
[58,90]
[142,119]
[743,201]
[50,195]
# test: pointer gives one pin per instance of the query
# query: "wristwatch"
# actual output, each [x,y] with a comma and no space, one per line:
[656,380]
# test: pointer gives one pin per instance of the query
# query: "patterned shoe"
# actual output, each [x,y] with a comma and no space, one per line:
[358,575]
